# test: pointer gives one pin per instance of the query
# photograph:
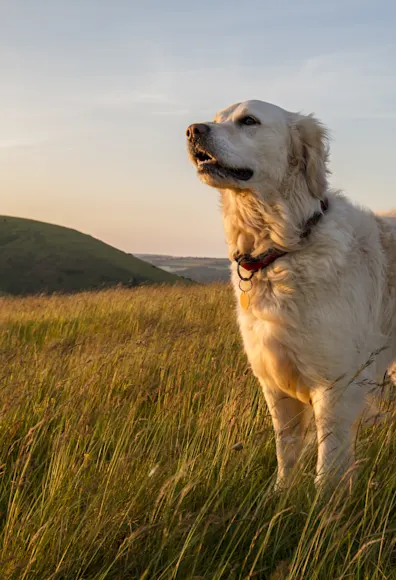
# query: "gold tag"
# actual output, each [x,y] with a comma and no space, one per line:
[244,300]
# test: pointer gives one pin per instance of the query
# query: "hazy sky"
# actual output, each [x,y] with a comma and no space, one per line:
[95,96]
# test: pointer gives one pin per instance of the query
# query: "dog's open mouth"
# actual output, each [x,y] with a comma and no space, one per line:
[203,157]
[206,163]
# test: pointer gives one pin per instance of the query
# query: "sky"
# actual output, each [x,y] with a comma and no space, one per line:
[95,97]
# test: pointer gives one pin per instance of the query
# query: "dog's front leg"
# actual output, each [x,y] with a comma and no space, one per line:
[336,410]
[290,419]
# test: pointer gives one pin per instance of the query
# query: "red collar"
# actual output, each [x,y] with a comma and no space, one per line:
[262,261]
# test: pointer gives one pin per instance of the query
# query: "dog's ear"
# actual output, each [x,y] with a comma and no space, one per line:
[309,152]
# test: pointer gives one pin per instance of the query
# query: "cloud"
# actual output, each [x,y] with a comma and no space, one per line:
[32,141]
[127,98]
[172,112]
[342,84]
[335,85]
[17,143]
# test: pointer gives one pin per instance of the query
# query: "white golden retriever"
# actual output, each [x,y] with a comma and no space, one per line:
[315,277]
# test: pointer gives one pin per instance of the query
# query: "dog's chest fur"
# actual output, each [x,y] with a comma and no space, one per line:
[271,335]
[272,327]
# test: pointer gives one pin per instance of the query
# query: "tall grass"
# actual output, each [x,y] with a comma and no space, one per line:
[135,443]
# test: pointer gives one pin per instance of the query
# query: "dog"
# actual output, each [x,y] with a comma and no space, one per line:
[314,277]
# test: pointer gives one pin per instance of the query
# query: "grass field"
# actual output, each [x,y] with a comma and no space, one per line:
[135,443]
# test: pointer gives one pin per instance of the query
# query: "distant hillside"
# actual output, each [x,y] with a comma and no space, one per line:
[39,257]
[203,270]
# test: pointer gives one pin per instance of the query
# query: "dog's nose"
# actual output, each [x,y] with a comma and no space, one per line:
[196,130]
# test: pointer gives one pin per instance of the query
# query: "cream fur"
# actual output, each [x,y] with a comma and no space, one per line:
[321,327]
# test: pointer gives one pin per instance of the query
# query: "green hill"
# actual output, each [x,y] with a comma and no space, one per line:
[39,257]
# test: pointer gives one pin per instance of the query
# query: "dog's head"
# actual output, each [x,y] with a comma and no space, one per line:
[256,145]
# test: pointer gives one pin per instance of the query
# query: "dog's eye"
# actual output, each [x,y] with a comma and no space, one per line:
[248,120]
